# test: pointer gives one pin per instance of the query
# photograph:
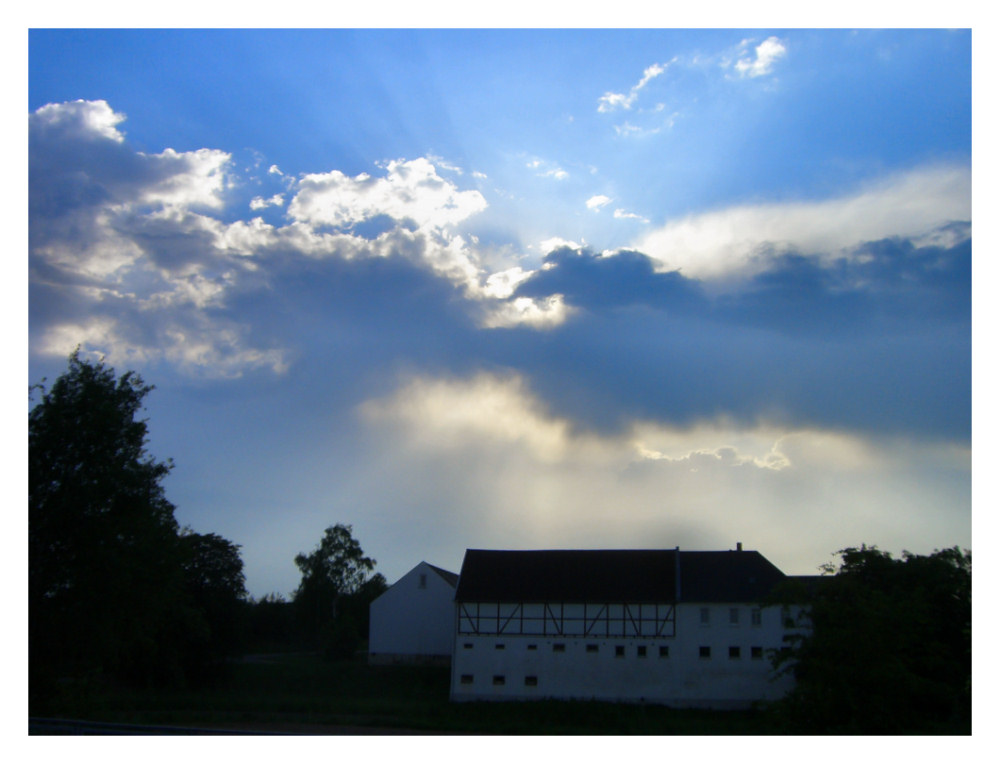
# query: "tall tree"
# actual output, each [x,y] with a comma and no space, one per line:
[216,586]
[335,569]
[104,563]
[888,645]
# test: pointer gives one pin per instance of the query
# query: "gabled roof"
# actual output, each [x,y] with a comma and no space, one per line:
[614,575]
[447,575]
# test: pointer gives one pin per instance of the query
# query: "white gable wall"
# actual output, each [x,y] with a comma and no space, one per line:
[410,621]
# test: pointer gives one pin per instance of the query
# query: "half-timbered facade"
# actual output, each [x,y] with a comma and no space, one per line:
[665,626]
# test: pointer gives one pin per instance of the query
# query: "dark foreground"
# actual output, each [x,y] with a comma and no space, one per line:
[302,694]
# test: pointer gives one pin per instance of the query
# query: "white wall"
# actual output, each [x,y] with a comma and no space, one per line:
[682,678]
[410,620]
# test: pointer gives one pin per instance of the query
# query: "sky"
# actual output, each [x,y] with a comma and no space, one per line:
[520,289]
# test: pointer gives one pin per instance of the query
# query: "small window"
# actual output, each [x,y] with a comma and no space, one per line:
[531,681]
[592,648]
[498,646]
[466,678]
[734,616]
[467,646]
[704,651]
[704,616]
[559,647]
[499,679]
[640,651]
[532,647]
[755,617]
[664,651]
[756,653]
[619,651]
[423,581]
[734,652]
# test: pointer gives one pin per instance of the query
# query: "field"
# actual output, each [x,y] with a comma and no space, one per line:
[305,694]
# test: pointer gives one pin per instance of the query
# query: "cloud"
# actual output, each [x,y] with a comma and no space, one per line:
[737,242]
[260,203]
[411,190]
[490,441]
[614,101]
[762,62]
[624,215]
[598,201]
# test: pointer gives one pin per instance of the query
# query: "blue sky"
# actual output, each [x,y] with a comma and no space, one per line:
[521,289]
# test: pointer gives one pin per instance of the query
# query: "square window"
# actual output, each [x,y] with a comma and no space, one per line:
[499,679]
[498,646]
[531,681]
[734,616]
[592,648]
[559,647]
[532,647]
[756,653]
[466,678]
[755,617]
[734,652]
[664,651]
[619,651]
[704,616]
[467,646]
[704,652]
[640,651]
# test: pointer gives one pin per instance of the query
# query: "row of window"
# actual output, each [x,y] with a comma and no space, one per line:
[705,616]
[705,651]
[501,679]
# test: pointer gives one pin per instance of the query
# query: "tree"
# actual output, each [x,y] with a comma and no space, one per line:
[103,562]
[888,645]
[216,586]
[337,568]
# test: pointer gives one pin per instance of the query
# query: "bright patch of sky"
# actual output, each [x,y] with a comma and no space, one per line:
[486,288]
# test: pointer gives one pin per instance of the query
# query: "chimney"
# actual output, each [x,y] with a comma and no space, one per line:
[677,574]
[739,546]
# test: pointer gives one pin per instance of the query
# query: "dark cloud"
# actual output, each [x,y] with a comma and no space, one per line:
[879,341]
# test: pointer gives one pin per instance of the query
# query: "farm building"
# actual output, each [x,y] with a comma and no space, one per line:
[680,628]
[413,620]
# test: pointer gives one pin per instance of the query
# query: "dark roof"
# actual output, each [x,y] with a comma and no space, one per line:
[614,575]
[447,575]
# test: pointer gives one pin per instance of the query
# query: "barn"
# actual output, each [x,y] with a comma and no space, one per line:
[413,620]
[685,629]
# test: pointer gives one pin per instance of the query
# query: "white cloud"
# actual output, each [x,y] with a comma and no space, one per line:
[615,101]
[502,284]
[737,241]
[273,170]
[410,190]
[624,215]
[536,312]
[260,203]
[762,62]
[598,201]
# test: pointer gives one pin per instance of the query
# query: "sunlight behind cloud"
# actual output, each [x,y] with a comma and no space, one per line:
[737,242]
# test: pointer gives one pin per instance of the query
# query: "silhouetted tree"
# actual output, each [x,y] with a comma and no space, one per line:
[105,581]
[888,649]
[216,586]
[336,569]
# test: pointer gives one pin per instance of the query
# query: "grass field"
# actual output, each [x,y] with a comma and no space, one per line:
[306,694]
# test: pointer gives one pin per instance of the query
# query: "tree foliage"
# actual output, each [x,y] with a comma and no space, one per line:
[336,577]
[888,645]
[216,587]
[113,588]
